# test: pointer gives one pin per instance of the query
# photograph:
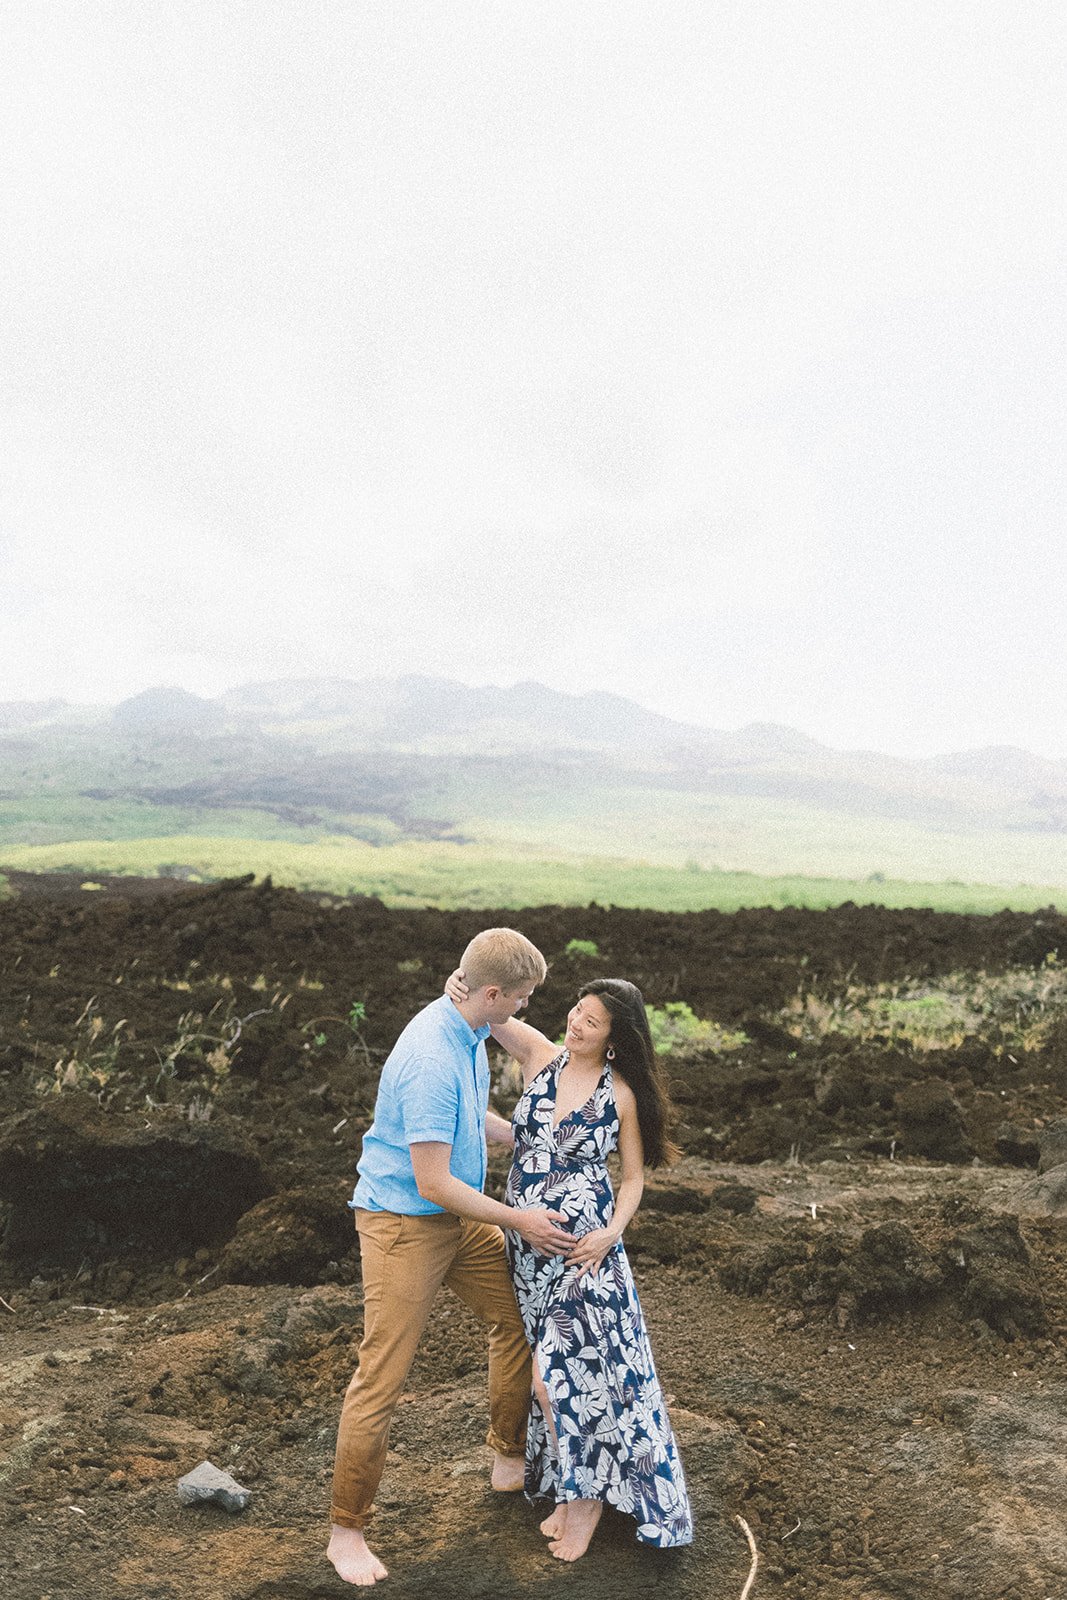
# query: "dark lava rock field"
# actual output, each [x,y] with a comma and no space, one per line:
[855,1278]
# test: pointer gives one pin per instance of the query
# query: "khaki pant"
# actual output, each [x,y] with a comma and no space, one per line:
[405,1262]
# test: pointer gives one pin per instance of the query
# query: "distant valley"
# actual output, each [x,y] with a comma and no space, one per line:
[525,771]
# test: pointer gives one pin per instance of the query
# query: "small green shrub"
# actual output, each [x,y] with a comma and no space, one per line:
[676,1026]
[581,947]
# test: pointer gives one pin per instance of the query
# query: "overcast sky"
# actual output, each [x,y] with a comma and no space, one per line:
[711,353]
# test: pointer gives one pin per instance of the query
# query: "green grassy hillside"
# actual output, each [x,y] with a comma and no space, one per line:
[774,838]
[554,821]
[452,876]
[428,792]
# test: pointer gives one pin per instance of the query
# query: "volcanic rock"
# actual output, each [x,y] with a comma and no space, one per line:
[740,1198]
[932,1122]
[848,1083]
[1018,1146]
[82,1181]
[1019,1441]
[886,1269]
[1053,1145]
[291,1237]
[1044,1195]
[991,1265]
[675,1201]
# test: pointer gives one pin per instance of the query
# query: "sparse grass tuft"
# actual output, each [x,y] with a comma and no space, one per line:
[1013,1010]
[190,1070]
[92,1060]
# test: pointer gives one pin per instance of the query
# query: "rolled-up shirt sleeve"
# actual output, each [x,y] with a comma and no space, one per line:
[429,1098]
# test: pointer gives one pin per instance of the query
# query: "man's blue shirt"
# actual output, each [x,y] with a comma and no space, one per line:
[434,1088]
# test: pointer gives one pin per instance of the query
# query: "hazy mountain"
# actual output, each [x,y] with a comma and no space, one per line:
[326,748]
[168,709]
[1003,764]
[414,711]
[28,713]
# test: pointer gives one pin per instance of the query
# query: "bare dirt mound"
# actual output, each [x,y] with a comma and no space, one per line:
[855,1279]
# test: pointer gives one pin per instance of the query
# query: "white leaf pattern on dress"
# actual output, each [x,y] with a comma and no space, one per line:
[588,1333]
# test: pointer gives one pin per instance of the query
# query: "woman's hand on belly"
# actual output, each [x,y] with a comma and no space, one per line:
[589,1251]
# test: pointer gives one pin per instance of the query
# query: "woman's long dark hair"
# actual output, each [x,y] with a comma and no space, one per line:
[635,1061]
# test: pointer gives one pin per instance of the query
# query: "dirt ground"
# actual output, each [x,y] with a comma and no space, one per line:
[855,1280]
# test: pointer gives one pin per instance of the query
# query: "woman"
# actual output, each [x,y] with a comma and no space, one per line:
[599,1430]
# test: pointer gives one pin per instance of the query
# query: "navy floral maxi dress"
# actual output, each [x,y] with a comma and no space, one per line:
[588,1334]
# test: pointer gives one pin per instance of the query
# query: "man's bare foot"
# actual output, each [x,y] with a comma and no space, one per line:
[553,1525]
[509,1473]
[352,1558]
[582,1518]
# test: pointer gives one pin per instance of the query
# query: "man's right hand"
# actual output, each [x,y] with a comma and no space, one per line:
[456,989]
[539,1229]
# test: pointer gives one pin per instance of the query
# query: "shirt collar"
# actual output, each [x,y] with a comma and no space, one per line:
[460,1026]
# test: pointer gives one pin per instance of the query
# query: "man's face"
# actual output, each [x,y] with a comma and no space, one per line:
[505,1004]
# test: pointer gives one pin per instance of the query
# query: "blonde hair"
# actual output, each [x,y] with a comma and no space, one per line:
[503,957]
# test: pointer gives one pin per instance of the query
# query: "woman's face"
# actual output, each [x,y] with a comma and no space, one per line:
[588,1026]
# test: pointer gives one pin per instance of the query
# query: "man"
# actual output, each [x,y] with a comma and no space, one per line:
[423,1221]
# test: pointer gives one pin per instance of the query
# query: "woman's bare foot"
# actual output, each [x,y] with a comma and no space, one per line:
[554,1525]
[353,1560]
[582,1518]
[508,1474]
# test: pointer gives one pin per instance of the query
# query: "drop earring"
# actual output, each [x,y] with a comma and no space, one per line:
[611,1052]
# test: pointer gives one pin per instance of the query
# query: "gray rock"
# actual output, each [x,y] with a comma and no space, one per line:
[209,1485]
[1043,1196]
[1053,1144]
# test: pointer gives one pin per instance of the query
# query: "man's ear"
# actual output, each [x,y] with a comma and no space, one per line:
[492,992]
